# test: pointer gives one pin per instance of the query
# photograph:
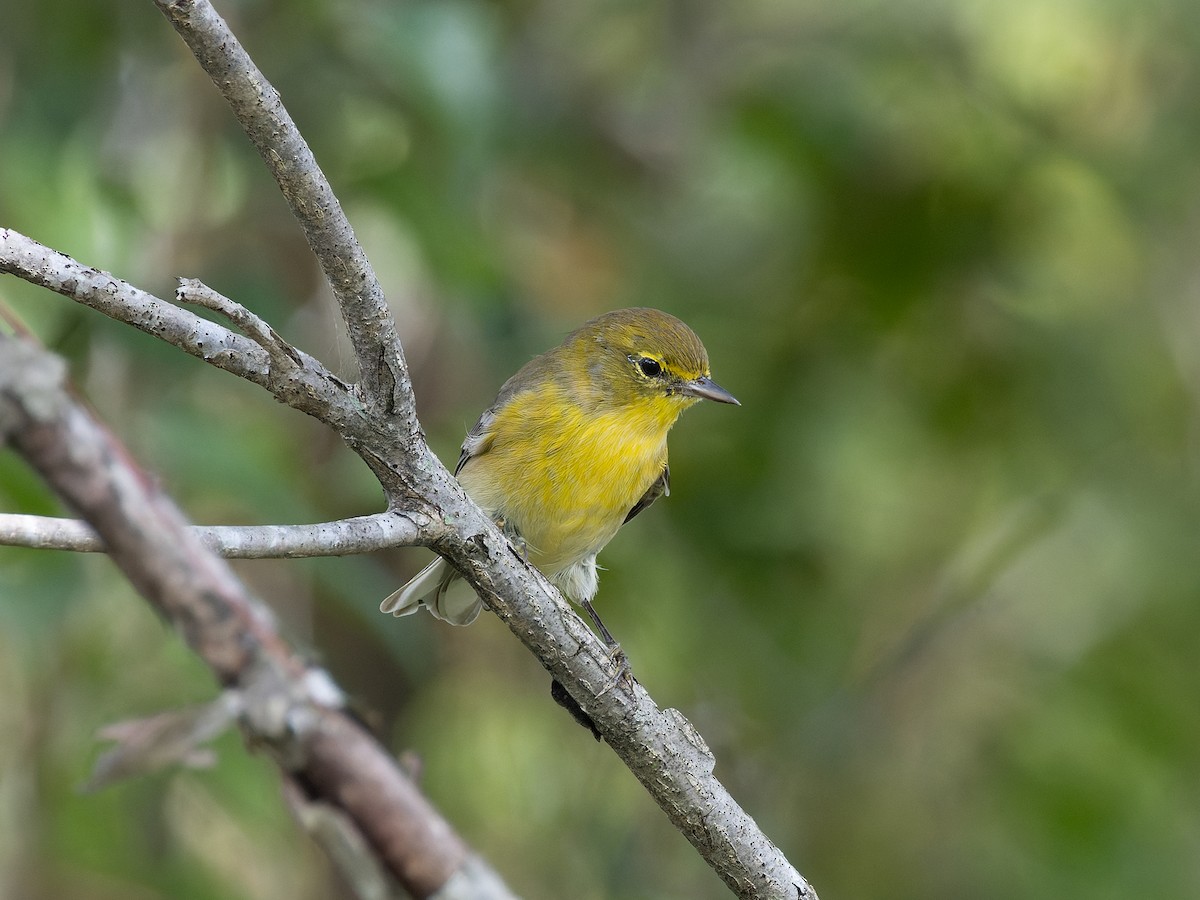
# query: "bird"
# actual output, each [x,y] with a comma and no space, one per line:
[573,447]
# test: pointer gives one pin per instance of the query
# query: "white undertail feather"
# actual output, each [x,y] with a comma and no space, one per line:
[579,582]
[440,589]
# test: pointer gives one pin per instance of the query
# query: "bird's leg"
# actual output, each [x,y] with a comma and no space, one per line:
[605,635]
[615,653]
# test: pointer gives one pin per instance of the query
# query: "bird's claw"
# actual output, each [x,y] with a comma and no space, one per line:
[624,673]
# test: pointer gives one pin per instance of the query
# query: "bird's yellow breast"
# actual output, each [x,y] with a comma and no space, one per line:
[566,477]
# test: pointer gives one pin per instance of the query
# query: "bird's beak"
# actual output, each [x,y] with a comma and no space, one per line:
[705,388]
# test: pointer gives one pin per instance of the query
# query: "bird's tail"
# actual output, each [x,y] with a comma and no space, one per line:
[440,589]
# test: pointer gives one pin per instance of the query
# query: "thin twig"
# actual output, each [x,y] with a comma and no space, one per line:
[344,537]
[282,354]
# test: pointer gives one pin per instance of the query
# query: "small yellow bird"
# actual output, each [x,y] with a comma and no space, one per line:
[574,446]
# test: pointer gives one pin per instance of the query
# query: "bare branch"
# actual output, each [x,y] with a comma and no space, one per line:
[293,377]
[283,355]
[38,264]
[48,533]
[286,706]
[256,104]
[361,534]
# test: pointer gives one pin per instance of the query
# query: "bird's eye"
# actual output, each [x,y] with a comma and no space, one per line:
[651,368]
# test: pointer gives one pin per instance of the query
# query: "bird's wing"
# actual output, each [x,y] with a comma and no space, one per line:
[478,439]
[659,488]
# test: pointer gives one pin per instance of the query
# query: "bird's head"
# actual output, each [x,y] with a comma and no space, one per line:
[644,356]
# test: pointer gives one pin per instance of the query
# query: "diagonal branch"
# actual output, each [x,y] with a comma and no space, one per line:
[295,378]
[361,534]
[290,708]
[260,112]
[218,346]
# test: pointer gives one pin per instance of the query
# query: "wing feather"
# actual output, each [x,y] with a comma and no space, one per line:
[478,439]
[661,487]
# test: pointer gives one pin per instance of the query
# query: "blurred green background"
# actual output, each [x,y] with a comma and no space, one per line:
[930,594]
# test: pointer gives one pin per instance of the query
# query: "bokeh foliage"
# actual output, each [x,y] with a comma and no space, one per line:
[930,594]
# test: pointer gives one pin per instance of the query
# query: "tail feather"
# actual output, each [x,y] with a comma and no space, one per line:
[440,589]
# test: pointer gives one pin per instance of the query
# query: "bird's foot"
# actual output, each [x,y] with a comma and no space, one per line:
[624,674]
